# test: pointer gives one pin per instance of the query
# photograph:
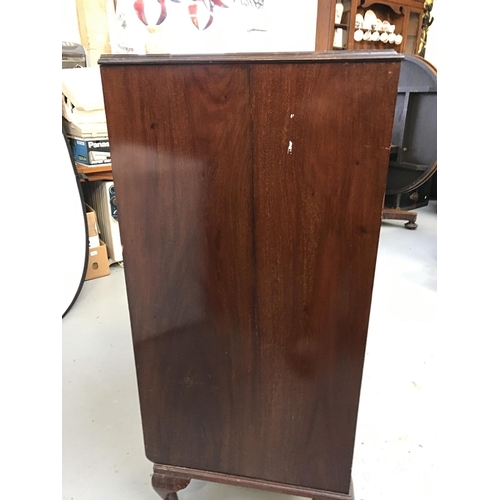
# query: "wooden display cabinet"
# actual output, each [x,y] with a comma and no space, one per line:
[406,15]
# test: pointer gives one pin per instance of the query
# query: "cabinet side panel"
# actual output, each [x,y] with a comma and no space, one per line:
[249,288]
[322,135]
[181,153]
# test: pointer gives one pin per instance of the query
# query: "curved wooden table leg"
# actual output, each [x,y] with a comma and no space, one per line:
[166,485]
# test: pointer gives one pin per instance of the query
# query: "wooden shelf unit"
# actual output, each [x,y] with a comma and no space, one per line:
[406,15]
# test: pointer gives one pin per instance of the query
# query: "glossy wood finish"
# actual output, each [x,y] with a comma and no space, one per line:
[182,161]
[249,194]
[317,222]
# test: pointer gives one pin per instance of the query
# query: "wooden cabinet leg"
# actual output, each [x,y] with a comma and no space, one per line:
[400,214]
[166,485]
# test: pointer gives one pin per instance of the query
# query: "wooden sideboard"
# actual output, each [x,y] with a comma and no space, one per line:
[250,190]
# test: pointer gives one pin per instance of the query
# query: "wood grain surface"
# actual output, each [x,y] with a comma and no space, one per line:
[319,185]
[250,198]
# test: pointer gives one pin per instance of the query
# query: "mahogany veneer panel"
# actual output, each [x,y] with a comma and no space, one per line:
[250,190]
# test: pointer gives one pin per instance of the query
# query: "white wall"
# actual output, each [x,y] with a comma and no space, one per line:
[431,50]
[69,18]
[290,25]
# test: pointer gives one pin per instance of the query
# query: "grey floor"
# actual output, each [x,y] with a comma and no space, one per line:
[103,456]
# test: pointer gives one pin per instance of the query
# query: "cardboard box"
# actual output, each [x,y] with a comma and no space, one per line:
[93,227]
[98,262]
[91,152]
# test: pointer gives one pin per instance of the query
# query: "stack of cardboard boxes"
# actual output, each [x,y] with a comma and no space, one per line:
[84,122]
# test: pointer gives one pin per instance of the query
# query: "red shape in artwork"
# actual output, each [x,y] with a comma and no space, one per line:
[139,10]
[163,13]
[200,12]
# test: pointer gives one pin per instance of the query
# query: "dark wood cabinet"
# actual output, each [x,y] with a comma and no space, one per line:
[250,190]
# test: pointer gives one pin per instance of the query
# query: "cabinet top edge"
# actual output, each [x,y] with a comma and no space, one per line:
[258,57]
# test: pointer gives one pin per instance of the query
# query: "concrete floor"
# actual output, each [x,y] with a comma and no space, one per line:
[394,456]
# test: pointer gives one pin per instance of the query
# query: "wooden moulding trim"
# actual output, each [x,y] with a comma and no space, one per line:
[279,57]
[245,482]
[397,6]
